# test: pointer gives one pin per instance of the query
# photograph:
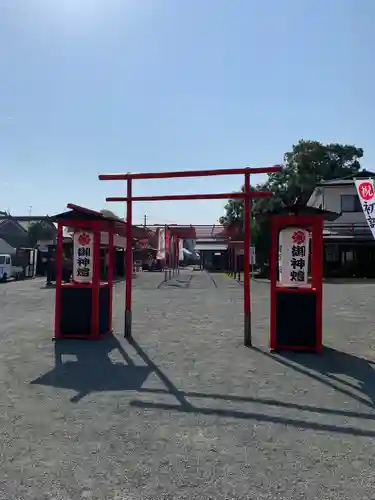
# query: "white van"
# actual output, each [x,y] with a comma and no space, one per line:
[7,270]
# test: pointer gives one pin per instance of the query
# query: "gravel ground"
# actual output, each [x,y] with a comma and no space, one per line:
[184,411]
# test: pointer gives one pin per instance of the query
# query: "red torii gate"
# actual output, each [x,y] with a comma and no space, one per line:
[246,195]
[177,232]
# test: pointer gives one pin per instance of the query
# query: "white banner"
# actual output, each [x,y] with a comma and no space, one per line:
[293,256]
[252,256]
[366,195]
[83,256]
[180,249]
[161,244]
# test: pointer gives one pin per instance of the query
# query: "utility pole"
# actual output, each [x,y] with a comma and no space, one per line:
[145,220]
[30,210]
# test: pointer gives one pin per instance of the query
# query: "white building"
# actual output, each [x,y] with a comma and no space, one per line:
[349,248]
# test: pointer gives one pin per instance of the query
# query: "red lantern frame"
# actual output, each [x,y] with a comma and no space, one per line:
[315,225]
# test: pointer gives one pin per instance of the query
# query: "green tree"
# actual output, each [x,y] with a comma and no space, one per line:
[233,217]
[310,162]
[307,164]
[41,230]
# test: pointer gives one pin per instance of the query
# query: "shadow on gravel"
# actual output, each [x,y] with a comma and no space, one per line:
[330,368]
[176,283]
[184,406]
[93,371]
[349,281]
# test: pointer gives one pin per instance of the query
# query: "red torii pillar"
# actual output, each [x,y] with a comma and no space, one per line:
[129,260]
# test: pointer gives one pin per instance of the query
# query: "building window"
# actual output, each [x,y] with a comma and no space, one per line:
[350,203]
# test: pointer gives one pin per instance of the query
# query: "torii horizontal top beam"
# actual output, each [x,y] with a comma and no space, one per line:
[190,173]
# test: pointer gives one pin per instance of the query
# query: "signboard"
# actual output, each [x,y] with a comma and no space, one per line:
[83,256]
[161,244]
[293,256]
[180,249]
[366,195]
[240,251]
[167,241]
[252,256]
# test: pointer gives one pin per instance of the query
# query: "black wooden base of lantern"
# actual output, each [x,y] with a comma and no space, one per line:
[76,309]
[296,320]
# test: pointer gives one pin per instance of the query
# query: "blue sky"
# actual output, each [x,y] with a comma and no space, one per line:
[96,86]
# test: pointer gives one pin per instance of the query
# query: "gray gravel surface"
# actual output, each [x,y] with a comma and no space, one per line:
[184,411]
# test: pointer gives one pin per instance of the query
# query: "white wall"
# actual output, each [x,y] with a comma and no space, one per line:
[330,199]
[6,248]
[118,241]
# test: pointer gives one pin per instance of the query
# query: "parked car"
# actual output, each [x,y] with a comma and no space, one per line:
[8,270]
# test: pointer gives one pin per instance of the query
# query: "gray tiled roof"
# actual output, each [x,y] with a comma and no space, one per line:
[24,220]
[347,180]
